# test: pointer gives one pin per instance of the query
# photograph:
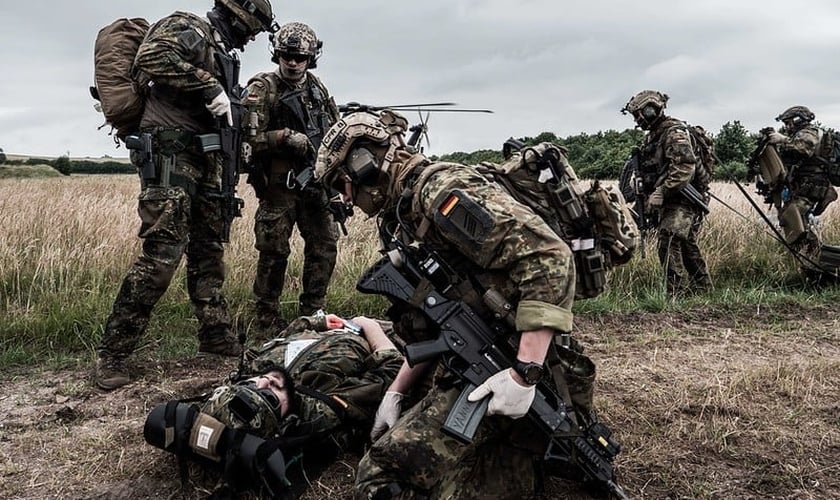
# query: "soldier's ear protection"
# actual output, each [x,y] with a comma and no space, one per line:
[362,166]
[649,112]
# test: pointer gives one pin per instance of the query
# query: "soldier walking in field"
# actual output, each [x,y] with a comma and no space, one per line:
[289,110]
[806,189]
[186,57]
[669,163]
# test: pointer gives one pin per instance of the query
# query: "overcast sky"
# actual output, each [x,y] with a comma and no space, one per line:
[541,65]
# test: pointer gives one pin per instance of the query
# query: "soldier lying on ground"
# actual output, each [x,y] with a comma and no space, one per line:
[308,394]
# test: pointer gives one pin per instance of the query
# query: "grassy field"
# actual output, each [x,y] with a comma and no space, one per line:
[727,395]
[68,241]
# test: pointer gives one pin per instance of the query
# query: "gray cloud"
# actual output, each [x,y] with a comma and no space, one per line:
[540,64]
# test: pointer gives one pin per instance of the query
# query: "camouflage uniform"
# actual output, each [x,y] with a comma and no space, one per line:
[517,254]
[336,364]
[182,217]
[810,190]
[274,105]
[667,161]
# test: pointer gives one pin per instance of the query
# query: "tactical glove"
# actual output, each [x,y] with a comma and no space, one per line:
[387,414]
[776,138]
[656,198]
[507,398]
[220,106]
[297,143]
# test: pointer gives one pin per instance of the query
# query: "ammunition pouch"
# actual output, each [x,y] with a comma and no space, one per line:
[246,460]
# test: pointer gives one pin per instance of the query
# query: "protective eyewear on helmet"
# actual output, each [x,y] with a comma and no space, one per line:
[298,58]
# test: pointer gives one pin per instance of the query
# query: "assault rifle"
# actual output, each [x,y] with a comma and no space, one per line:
[229,142]
[475,350]
[340,212]
[645,220]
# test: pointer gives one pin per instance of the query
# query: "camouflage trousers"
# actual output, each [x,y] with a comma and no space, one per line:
[414,459]
[679,253]
[275,219]
[173,223]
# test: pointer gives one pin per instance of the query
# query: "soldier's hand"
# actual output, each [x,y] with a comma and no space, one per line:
[297,143]
[507,396]
[220,106]
[776,138]
[656,199]
[387,414]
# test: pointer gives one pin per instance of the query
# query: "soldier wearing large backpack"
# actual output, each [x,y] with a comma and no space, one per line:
[496,243]
[668,162]
[809,190]
[188,59]
[289,110]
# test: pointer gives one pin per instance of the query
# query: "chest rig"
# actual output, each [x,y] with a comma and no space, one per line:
[304,109]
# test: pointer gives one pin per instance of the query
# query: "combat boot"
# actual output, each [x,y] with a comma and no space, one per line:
[222,344]
[111,373]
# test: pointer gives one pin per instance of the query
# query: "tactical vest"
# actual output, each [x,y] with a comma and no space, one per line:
[307,109]
[653,164]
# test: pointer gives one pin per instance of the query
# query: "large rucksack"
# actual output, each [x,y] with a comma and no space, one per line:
[829,154]
[120,89]
[595,222]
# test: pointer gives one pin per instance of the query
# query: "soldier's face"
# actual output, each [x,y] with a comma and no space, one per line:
[276,382]
[293,66]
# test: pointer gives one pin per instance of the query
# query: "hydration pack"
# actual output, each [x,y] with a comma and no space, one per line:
[120,90]
[829,155]
[595,222]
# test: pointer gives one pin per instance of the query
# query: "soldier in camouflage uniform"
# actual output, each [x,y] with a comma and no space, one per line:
[316,387]
[179,209]
[667,163]
[499,243]
[810,191]
[289,110]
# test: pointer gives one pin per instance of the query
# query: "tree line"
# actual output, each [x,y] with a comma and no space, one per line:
[602,155]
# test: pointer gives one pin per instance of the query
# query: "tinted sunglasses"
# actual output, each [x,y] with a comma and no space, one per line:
[298,58]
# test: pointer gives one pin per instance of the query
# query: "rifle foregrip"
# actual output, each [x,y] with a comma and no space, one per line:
[464,417]
[419,352]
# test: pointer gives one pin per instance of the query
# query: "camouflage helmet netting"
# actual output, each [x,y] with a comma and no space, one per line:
[256,14]
[793,112]
[385,128]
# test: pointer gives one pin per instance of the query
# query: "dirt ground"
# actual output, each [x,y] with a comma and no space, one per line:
[730,402]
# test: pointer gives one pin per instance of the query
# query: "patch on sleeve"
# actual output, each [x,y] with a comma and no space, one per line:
[462,219]
[191,39]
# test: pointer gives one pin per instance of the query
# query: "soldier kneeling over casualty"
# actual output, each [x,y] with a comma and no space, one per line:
[301,398]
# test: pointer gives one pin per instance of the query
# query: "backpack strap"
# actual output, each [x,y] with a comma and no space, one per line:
[334,404]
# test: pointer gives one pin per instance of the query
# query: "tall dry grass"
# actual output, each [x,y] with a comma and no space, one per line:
[66,243]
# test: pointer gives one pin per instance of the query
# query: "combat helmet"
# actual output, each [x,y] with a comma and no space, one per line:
[250,17]
[362,146]
[646,107]
[796,117]
[244,406]
[296,38]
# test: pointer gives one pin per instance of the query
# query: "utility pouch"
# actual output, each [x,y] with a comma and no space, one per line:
[591,274]
[207,143]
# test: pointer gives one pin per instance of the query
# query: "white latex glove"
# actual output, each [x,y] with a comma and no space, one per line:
[387,414]
[220,106]
[297,142]
[508,398]
[776,138]
[656,198]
